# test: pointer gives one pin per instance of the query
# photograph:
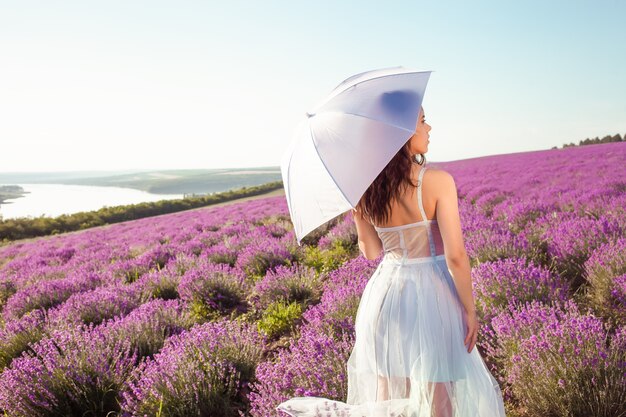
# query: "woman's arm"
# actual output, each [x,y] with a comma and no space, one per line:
[449,223]
[369,242]
[456,256]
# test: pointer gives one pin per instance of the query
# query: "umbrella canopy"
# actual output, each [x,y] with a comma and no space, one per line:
[346,141]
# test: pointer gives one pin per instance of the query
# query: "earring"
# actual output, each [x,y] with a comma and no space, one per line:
[419,160]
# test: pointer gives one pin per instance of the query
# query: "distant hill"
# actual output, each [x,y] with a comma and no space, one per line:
[181,181]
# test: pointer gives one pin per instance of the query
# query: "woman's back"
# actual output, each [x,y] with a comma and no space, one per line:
[406,239]
[406,210]
[433,203]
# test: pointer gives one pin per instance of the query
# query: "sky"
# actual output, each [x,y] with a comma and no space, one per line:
[118,85]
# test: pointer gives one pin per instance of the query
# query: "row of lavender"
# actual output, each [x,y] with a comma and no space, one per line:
[219,312]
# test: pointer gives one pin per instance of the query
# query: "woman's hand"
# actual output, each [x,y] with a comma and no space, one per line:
[471,331]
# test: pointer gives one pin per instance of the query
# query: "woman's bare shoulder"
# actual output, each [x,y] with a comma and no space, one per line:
[438,175]
[440,180]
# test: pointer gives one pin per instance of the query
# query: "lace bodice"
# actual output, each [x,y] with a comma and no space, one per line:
[421,239]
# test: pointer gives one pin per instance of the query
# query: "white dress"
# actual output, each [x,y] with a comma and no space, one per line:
[409,357]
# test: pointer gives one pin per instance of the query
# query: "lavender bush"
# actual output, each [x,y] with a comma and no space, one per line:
[312,366]
[162,284]
[558,361]
[486,239]
[95,306]
[47,294]
[147,327]
[259,256]
[297,283]
[514,281]
[72,372]
[213,290]
[343,234]
[570,367]
[17,335]
[605,271]
[7,289]
[221,254]
[518,322]
[570,239]
[205,372]
[336,312]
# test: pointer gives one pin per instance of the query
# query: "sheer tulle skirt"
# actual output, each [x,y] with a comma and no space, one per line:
[409,358]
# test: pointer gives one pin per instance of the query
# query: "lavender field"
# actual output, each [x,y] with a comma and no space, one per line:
[218,312]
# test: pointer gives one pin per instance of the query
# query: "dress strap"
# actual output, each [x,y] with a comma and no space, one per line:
[431,241]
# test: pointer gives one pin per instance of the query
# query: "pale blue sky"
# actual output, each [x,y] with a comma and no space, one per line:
[206,84]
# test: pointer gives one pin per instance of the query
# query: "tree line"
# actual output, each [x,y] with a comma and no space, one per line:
[26,227]
[588,141]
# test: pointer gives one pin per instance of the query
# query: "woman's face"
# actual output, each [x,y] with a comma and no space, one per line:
[419,141]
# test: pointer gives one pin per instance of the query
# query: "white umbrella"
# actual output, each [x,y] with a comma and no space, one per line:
[346,141]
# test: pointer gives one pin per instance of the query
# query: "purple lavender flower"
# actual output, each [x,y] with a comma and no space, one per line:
[605,270]
[164,283]
[221,254]
[95,306]
[514,281]
[571,239]
[343,234]
[46,294]
[213,289]
[288,283]
[206,371]
[487,239]
[336,312]
[548,356]
[71,370]
[574,350]
[17,334]
[148,326]
[312,366]
[259,256]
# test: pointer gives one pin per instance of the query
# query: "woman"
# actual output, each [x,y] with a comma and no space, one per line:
[416,325]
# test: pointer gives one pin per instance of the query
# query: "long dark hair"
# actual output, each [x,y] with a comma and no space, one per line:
[389,185]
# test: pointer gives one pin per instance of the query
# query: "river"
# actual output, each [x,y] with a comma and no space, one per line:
[51,200]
